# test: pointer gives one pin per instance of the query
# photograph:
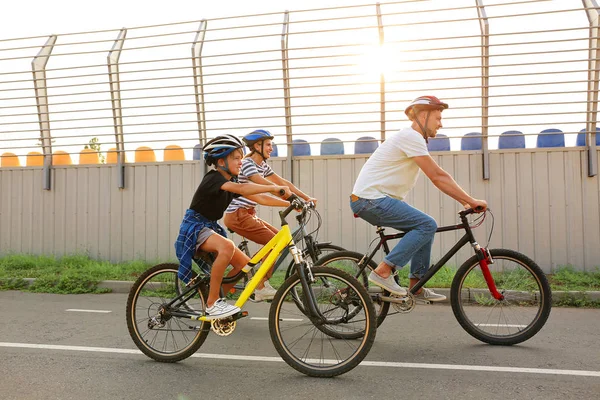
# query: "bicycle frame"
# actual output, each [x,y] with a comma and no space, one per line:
[468,237]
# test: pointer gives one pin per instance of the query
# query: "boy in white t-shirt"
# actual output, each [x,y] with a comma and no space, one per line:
[385,180]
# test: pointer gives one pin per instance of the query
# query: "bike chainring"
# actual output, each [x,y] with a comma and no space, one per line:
[223,327]
[407,303]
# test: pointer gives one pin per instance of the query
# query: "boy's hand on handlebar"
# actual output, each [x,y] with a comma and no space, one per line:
[282,191]
[312,200]
[478,205]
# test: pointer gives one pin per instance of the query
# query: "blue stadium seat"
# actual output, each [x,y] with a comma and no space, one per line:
[301,147]
[332,146]
[439,143]
[581,137]
[471,143]
[551,138]
[365,145]
[511,140]
[275,152]
[197,154]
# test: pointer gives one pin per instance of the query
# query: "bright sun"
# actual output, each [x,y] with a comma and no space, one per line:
[376,60]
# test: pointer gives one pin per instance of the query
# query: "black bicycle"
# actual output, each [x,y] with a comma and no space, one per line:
[498,296]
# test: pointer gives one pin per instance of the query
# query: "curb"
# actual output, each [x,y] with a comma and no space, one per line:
[125,286]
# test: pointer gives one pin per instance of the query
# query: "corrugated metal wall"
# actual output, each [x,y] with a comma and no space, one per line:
[544,203]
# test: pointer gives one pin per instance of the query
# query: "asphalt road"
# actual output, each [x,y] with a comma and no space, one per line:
[47,352]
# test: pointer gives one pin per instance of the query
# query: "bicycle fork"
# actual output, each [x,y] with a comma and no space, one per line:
[306,277]
[485,258]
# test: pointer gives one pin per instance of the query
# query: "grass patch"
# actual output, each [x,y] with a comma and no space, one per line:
[81,274]
[568,278]
[580,300]
[69,274]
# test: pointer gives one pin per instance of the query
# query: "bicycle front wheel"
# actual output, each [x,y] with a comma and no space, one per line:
[519,315]
[150,320]
[311,349]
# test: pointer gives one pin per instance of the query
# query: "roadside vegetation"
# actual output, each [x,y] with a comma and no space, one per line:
[80,274]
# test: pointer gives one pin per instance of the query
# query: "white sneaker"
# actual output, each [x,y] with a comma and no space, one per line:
[388,284]
[266,293]
[429,295]
[221,310]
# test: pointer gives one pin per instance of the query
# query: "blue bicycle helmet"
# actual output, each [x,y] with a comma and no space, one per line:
[256,136]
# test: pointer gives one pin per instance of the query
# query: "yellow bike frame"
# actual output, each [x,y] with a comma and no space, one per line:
[274,248]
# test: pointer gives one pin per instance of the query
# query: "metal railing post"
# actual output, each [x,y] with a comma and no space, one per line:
[381,75]
[199,81]
[115,96]
[286,96]
[485,81]
[592,96]
[41,97]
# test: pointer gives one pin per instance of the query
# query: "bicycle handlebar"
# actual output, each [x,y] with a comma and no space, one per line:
[468,211]
[295,204]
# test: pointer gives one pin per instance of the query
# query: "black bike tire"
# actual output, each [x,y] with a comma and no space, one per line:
[328,370]
[532,329]
[384,306]
[132,327]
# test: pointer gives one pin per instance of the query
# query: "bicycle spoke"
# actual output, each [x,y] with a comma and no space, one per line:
[518,316]
[329,345]
[153,327]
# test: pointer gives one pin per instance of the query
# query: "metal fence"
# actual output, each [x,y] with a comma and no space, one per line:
[329,83]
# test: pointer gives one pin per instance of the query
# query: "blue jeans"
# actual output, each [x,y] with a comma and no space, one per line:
[420,229]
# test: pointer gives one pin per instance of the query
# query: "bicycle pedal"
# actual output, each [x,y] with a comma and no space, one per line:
[239,315]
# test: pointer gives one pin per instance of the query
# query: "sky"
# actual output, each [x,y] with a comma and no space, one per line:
[315,114]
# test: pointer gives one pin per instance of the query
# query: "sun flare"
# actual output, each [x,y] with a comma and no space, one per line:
[378,59]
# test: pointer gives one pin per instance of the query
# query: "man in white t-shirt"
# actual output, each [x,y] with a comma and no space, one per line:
[385,180]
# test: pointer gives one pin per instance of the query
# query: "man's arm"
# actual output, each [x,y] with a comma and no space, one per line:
[444,181]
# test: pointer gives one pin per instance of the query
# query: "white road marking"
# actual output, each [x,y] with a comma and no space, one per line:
[282,319]
[90,311]
[482,368]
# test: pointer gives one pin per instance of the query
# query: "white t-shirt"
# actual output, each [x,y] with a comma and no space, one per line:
[391,171]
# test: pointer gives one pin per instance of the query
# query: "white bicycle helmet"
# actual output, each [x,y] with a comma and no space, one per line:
[221,147]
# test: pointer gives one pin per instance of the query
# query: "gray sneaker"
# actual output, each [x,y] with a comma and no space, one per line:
[429,295]
[388,284]
[266,293]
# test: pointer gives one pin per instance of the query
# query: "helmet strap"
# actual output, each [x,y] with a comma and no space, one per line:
[423,129]
[262,150]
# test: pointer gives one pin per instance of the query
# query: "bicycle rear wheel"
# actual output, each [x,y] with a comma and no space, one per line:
[152,326]
[349,261]
[309,348]
[520,315]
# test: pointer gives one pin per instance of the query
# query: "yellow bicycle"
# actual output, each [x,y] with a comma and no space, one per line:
[322,321]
